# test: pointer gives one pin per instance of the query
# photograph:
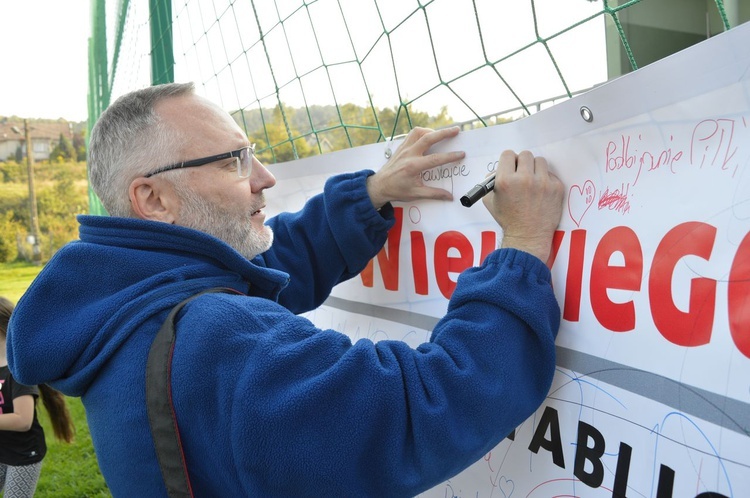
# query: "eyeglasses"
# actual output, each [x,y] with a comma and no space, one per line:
[243,159]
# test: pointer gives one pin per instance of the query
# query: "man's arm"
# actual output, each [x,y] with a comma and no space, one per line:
[397,420]
[526,201]
[334,236]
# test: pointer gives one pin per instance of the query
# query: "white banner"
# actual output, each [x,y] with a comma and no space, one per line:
[652,271]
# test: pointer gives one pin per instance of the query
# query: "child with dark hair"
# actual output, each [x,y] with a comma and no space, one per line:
[22,445]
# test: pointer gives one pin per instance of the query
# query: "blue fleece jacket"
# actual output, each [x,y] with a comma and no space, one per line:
[268,404]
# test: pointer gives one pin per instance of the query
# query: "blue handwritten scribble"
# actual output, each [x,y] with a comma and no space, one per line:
[658,430]
[581,382]
[506,486]
[451,493]
[378,335]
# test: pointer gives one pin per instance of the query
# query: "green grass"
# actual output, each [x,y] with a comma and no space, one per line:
[15,279]
[68,470]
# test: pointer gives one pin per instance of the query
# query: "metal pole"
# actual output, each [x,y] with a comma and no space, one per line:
[37,254]
[162,51]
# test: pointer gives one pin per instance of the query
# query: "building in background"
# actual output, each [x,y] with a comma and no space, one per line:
[658,28]
[45,135]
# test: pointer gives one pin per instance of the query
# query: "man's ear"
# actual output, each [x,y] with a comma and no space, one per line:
[153,199]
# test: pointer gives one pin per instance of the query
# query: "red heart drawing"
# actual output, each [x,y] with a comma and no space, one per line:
[580,200]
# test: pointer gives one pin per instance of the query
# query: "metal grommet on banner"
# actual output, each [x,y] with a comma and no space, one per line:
[586,114]
[388,151]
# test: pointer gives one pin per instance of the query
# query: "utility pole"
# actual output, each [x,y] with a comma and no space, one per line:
[36,251]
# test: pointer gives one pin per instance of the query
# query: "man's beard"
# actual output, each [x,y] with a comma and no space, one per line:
[236,231]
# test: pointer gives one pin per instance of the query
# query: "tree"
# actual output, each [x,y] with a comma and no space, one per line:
[11,171]
[8,246]
[329,128]
[79,144]
[399,120]
[63,151]
[276,142]
[361,127]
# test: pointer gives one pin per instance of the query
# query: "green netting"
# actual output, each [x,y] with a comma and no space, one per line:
[308,77]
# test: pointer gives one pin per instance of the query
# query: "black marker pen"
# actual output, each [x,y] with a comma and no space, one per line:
[479,191]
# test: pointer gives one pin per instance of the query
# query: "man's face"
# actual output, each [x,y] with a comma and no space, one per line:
[212,198]
[236,227]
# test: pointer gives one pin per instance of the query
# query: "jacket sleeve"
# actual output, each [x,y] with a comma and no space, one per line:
[329,241]
[312,411]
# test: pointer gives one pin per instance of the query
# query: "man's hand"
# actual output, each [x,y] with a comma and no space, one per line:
[526,202]
[400,179]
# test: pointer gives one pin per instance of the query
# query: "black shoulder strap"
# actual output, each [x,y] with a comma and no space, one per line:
[161,417]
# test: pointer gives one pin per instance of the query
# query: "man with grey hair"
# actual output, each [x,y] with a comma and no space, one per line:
[265,403]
